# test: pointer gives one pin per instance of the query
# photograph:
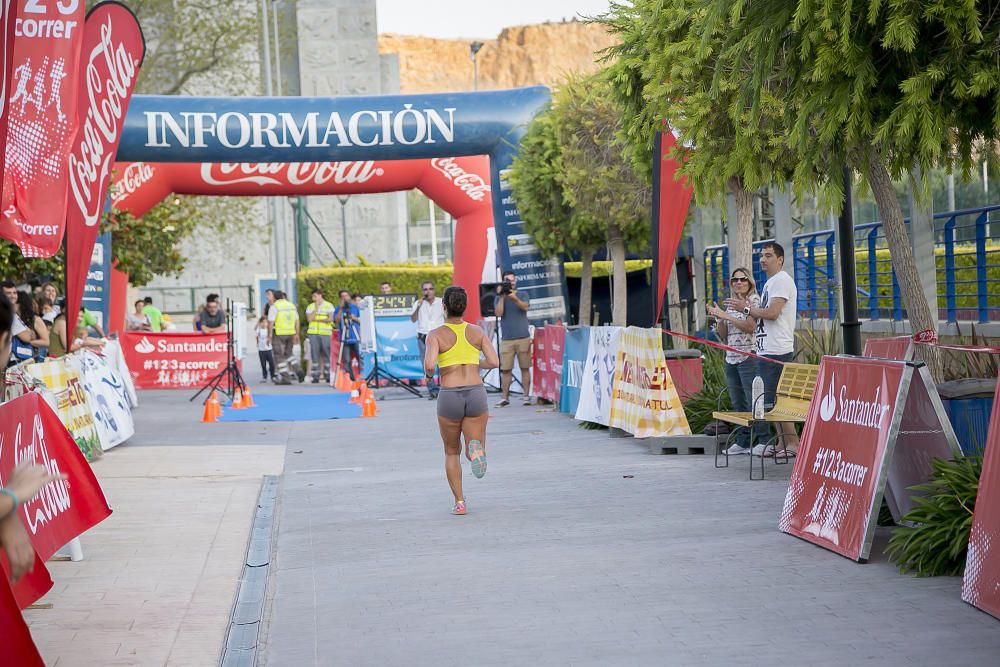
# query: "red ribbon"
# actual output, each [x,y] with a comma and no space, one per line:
[722,347]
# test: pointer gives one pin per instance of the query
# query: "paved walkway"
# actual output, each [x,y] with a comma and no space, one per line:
[578,550]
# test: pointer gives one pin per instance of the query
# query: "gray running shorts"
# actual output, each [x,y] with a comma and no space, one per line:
[458,402]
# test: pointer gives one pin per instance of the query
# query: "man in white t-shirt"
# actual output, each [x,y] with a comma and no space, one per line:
[775,335]
[429,315]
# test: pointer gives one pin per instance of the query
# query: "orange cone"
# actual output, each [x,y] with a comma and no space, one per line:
[343,382]
[247,398]
[237,402]
[368,408]
[357,393]
[208,416]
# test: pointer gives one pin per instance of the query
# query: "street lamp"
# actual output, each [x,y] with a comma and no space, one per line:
[473,51]
[343,220]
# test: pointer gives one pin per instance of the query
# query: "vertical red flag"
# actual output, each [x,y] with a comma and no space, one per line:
[113,49]
[9,19]
[671,199]
[41,123]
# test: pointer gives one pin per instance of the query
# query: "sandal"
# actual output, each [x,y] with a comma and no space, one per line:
[784,454]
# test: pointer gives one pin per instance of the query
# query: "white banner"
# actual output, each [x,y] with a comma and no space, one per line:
[598,375]
[645,401]
[107,397]
[116,359]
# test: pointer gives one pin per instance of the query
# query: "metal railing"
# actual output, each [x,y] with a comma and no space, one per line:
[184,300]
[966,251]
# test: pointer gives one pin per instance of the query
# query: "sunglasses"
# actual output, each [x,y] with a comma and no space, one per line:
[735,279]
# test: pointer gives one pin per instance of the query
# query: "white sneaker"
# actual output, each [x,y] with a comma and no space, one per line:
[736,450]
[763,450]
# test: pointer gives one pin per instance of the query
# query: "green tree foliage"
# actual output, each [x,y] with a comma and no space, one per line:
[880,87]
[149,246]
[669,68]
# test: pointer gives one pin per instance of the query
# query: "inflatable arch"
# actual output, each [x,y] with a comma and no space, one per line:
[410,138]
[458,185]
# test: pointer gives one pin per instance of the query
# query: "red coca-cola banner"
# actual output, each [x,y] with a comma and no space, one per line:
[836,488]
[41,123]
[113,49]
[981,583]
[173,360]
[546,374]
[18,646]
[30,431]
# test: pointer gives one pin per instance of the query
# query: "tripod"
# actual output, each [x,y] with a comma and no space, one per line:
[229,376]
[496,339]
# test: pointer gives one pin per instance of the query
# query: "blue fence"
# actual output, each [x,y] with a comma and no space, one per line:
[967,256]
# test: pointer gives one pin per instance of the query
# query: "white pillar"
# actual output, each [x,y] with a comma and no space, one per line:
[434,237]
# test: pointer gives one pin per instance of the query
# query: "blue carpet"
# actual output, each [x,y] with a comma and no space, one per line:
[294,408]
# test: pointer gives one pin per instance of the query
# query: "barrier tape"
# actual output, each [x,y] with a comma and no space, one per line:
[986,349]
[721,346]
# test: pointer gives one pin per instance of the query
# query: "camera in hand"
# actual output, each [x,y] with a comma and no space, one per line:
[506,287]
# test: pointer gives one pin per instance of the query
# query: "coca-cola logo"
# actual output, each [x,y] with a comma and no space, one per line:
[133,177]
[472,185]
[109,79]
[290,173]
[54,497]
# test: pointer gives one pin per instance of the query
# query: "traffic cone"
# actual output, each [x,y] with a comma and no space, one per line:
[357,393]
[208,416]
[237,402]
[343,382]
[247,398]
[368,408]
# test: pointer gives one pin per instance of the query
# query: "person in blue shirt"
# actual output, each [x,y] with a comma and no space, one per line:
[348,319]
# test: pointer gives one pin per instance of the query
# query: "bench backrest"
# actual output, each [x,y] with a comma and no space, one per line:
[795,390]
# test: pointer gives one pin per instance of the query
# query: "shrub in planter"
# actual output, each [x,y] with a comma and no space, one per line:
[699,407]
[936,545]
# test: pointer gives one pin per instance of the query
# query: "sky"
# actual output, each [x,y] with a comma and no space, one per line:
[475,18]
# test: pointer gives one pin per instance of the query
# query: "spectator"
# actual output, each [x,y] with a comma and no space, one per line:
[47,310]
[429,315]
[90,322]
[736,329]
[60,342]
[283,319]
[775,336]
[264,350]
[24,482]
[137,320]
[348,319]
[20,334]
[385,287]
[50,292]
[36,347]
[212,319]
[358,300]
[153,315]
[269,300]
[319,314]
[515,337]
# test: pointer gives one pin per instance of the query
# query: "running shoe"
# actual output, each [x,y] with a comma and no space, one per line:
[503,403]
[477,456]
[736,450]
[527,401]
[459,508]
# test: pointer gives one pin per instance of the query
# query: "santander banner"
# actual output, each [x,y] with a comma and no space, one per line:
[173,360]
[981,583]
[113,49]
[836,488]
[41,123]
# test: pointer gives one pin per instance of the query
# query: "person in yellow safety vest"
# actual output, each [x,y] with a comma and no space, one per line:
[283,318]
[319,314]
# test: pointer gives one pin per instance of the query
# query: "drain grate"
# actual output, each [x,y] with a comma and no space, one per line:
[243,633]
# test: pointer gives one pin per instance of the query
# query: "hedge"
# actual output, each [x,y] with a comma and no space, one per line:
[405,278]
[602,269]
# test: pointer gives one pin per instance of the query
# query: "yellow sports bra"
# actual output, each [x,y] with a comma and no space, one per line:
[462,352]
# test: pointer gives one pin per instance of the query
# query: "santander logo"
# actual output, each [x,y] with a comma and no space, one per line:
[110,76]
[472,185]
[290,173]
[856,410]
[144,346]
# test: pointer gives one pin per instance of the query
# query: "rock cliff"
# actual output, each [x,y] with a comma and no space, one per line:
[520,56]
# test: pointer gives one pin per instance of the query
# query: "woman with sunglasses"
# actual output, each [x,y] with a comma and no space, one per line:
[737,330]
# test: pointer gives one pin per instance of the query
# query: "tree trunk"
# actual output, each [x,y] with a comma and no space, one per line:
[586,288]
[741,228]
[917,309]
[619,292]
[676,314]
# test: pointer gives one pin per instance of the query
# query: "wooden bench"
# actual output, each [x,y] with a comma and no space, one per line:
[791,404]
